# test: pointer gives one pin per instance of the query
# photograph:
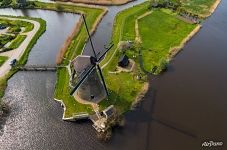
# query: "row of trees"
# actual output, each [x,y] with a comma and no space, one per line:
[171,4]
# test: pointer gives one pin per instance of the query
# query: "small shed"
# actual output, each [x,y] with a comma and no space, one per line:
[123,61]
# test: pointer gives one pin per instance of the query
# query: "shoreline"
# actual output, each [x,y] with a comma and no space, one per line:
[214,6]
[175,50]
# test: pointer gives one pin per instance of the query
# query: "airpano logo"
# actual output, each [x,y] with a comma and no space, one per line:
[212,144]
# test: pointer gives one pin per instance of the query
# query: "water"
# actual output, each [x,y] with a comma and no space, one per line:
[184,106]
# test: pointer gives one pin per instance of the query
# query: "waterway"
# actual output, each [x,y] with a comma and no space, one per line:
[184,107]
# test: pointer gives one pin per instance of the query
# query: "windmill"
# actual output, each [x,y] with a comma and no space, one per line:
[90,85]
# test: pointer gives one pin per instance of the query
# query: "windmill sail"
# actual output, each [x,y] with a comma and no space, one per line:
[90,86]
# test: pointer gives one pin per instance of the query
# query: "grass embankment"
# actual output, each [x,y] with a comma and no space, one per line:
[62,89]
[2,60]
[202,8]
[17,42]
[23,59]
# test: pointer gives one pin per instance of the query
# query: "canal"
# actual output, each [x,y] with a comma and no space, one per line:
[184,107]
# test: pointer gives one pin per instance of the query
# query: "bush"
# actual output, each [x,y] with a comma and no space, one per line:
[162,66]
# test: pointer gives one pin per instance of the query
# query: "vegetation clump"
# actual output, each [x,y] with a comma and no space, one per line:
[2,60]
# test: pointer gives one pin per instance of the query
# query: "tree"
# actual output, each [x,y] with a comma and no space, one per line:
[22,3]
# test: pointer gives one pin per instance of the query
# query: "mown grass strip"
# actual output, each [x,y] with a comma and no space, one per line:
[2,60]
[17,41]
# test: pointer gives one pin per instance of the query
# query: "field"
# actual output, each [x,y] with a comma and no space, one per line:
[199,7]
[160,32]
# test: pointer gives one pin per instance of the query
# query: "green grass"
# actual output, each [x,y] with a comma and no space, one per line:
[199,7]
[15,25]
[17,41]
[62,93]
[159,32]
[4,39]
[124,87]
[2,60]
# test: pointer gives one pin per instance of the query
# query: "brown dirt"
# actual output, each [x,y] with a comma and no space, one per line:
[68,41]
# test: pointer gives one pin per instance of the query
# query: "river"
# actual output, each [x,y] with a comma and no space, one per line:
[184,107]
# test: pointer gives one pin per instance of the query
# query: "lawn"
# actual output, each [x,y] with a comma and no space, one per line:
[17,42]
[159,32]
[2,60]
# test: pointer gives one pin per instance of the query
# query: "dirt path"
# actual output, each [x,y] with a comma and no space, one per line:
[138,38]
[18,52]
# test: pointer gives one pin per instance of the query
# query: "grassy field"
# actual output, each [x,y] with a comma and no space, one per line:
[17,41]
[199,7]
[159,32]
[2,60]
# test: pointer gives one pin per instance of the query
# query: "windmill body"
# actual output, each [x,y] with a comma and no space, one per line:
[92,89]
